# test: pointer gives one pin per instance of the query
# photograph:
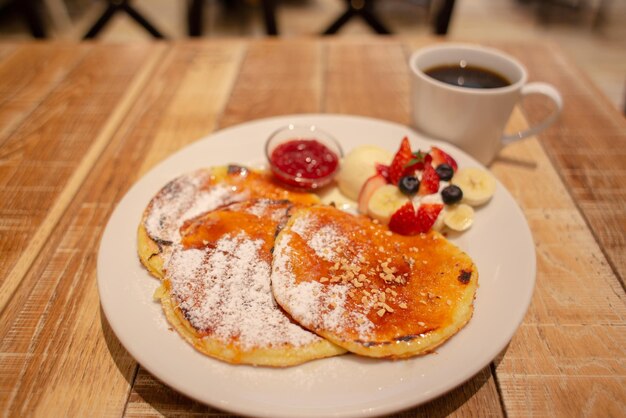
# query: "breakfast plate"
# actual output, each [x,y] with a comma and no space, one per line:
[499,242]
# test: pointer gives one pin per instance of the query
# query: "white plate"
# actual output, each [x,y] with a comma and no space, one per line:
[499,242]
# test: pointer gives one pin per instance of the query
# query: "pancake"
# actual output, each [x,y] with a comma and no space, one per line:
[364,288]
[216,289]
[197,192]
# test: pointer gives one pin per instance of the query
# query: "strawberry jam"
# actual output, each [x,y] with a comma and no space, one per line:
[305,163]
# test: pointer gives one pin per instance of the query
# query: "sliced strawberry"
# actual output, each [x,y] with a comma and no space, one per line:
[441,157]
[404,220]
[429,183]
[398,166]
[419,159]
[383,170]
[427,215]
[369,187]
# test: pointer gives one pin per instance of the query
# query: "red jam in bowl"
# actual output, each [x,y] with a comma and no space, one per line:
[304,163]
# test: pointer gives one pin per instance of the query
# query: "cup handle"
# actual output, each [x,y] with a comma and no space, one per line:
[544,89]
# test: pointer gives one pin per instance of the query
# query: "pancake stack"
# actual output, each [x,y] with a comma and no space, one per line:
[252,273]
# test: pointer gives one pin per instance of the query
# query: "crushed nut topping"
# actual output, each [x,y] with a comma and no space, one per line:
[353,271]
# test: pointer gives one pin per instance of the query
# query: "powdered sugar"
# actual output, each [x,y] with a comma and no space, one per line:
[301,224]
[183,198]
[207,200]
[323,241]
[259,208]
[311,303]
[226,292]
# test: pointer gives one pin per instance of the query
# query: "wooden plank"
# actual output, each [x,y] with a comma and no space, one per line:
[569,356]
[199,99]
[588,147]
[64,198]
[368,79]
[41,69]
[151,398]
[276,79]
[6,49]
[61,353]
[476,397]
[25,334]
[46,158]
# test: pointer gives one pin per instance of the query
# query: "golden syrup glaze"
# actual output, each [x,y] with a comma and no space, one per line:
[187,195]
[260,184]
[407,287]
[254,220]
[206,189]
[258,219]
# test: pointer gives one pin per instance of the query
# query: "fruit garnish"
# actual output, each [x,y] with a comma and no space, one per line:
[383,170]
[404,220]
[419,159]
[441,157]
[384,202]
[478,185]
[406,194]
[459,217]
[451,194]
[398,167]
[409,185]
[407,221]
[369,187]
[430,181]
[444,171]
[427,215]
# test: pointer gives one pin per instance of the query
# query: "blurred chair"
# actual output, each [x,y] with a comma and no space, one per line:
[115,6]
[443,16]
[358,8]
[33,12]
[366,10]
[195,14]
[30,12]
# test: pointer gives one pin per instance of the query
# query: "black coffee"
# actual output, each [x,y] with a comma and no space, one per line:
[468,76]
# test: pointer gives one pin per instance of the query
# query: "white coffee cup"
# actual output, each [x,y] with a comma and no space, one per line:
[473,119]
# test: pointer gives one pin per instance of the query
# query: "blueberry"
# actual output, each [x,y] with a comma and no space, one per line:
[444,171]
[451,194]
[409,185]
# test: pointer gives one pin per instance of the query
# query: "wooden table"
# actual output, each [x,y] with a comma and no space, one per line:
[79,123]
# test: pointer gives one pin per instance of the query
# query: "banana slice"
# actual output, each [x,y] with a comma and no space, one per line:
[478,185]
[359,165]
[385,201]
[458,217]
